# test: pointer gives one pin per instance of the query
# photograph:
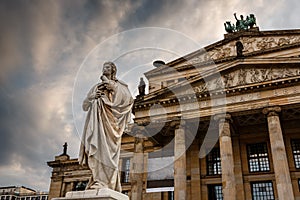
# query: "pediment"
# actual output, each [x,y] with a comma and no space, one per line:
[265,45]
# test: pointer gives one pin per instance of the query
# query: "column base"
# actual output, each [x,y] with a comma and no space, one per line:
[97,194]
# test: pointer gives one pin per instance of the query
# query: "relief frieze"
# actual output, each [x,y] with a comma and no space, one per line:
[246,76]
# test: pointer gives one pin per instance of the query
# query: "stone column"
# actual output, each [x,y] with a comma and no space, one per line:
[240,194]
[195,171]
[280,163]
[138,166]
[227,160]
[179,162]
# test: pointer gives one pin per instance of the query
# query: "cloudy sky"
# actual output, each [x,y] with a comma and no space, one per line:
[51,53]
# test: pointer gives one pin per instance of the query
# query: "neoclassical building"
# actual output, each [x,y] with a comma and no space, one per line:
[220,123]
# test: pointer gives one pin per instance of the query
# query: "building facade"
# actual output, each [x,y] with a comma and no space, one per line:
[21,193]
[219,123]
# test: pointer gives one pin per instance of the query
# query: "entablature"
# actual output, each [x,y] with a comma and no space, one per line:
[240,78]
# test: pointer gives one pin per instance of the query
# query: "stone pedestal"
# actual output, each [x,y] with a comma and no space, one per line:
[226,153]
[98,194]
[280,163]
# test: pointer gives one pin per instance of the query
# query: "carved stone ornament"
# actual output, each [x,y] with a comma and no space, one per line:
[246,76]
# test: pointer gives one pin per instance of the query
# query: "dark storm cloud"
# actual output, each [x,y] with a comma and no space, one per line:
[142,13]
[42,46]
[14,40]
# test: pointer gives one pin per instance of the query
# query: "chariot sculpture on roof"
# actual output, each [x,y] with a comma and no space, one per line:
[241,24]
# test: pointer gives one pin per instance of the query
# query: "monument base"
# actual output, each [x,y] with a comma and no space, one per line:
[96,194]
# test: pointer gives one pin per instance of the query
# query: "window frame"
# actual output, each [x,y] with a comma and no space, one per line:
[170,195]
[259,166]
[125,173]
[261,182]
[214,195]
[213,161]
[295,154]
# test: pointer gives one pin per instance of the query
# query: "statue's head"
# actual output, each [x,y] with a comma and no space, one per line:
[113,69]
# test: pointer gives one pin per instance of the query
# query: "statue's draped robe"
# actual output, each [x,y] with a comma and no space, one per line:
[101,141]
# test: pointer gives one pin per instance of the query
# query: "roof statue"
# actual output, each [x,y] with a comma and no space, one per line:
[65,149]
[142,87]
[241,24]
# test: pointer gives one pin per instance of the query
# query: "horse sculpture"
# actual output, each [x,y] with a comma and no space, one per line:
[241,24]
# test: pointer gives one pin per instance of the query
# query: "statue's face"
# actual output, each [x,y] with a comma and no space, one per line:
[107,70]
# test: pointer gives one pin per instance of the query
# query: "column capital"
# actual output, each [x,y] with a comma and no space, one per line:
[177,123]
[143,122]
[137,130]
[271,111]
[223,117]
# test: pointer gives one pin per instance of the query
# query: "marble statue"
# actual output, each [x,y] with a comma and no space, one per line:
[109,105]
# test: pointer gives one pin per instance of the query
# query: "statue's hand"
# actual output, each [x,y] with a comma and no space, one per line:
[92,96]
[98,94]
[102,86]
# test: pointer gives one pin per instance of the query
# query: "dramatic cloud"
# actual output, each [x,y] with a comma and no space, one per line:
[43,44]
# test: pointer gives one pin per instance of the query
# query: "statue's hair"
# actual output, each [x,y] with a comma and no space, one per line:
[113,68]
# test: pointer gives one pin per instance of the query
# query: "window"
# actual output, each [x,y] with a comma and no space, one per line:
[258,157]
[215,192]
[78,186]
[213,161]
[262,190]
[296,152]
[170,195]
[125,170]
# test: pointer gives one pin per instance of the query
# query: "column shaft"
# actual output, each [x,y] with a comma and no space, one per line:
[240,193]
[138,169]
[179,165]
[227,161]
[280,163]
[195,172]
